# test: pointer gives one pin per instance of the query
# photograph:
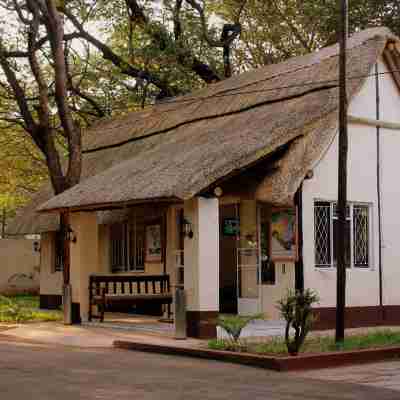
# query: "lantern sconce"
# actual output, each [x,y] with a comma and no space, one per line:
[71,236]
[187,229]
[36,246]
[218,191]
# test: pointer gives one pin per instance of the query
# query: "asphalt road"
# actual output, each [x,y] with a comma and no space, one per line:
[36,372]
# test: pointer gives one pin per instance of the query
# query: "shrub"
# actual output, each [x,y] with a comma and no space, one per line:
[13,311]
[296,309]
[234,324]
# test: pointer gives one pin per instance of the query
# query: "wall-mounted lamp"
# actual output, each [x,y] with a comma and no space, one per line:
[187,229]
[70,235]
[36,246]
[218,191]
[309,174]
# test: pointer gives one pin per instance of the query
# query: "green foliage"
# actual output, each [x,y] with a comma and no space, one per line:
[22,308]
[234,324]
[275,30]
[318,344]
[227,345]
[21,170]
[13,311]
[296,309]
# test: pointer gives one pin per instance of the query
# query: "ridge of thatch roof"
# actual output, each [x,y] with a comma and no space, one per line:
[178,148]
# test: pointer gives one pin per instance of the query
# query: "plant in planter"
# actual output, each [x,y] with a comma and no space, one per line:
[296,309]
[233,326]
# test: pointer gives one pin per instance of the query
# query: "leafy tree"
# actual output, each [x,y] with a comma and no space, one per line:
[275,30]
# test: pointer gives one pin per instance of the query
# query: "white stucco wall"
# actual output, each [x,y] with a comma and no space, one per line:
[362,284]
[201,279]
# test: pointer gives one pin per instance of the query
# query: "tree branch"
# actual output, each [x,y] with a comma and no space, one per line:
[123,66]
[55,30]
[19,96]
[44,113]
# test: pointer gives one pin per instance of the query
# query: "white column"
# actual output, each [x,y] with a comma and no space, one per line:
[84,258]
[202,266]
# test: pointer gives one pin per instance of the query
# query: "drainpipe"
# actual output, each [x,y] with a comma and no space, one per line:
[378,188]
[299,266]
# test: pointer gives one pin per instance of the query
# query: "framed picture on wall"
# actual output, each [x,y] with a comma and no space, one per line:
[283,235]
[153,239]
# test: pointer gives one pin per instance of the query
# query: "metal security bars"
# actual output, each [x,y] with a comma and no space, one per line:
[326,233]
[322,229]
[361,236]
[127,247]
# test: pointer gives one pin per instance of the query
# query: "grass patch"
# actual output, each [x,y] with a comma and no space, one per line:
[24,308]
[277,346]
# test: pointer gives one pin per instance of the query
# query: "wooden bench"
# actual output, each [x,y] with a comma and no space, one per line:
[109,290]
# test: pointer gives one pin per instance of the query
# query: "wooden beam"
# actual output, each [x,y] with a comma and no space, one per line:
[373,122]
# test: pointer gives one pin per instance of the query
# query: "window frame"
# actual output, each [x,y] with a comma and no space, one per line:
[350,218]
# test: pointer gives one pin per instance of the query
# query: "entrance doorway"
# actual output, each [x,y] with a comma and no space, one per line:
[229,231]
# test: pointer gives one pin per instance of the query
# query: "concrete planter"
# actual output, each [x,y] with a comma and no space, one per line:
[283,363]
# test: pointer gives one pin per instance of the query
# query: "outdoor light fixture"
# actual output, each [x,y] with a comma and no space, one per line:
[218,191]
[70,235]
[187,229]
[36,246]
[309,174]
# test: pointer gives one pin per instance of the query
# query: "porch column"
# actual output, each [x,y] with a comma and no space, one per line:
[202,267]
[84,261]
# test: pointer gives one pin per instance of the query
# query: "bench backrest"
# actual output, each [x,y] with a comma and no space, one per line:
[129,284]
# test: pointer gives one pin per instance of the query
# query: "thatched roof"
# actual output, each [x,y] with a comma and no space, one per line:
[177,149]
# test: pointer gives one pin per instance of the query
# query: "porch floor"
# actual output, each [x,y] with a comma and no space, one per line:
[133,322]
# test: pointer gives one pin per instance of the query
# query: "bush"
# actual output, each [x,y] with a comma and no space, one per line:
[296,309]
[13,311]
[234,324]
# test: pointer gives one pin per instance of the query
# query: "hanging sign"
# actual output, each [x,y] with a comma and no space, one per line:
[283,235]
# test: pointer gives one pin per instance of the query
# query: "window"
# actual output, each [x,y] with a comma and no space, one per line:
[127,247]
[326,234]
[58,252]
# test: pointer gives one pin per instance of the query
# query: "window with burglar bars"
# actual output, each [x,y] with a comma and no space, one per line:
[127,247]
[326,233]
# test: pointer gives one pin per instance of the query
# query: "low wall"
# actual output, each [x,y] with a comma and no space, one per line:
[19,266]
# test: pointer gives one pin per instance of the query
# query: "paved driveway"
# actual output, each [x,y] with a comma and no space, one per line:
[43,372]
[385,374]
